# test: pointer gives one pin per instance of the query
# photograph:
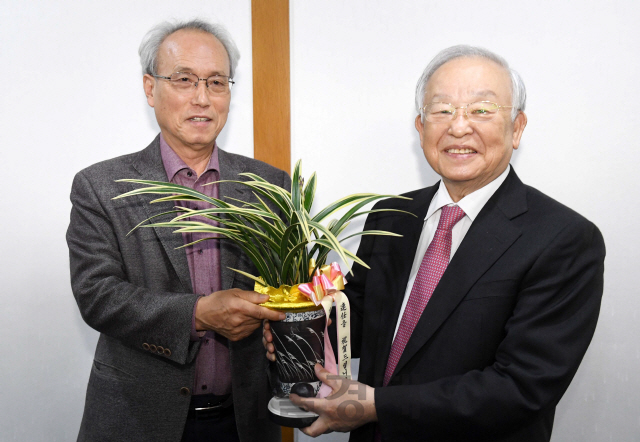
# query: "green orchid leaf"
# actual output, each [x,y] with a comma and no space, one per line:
[257,279]
[309,192]
[372,232]
[349,200]
[286,240]
[236,210]
[287,266]
[331,239]
[296,192]
[152,217]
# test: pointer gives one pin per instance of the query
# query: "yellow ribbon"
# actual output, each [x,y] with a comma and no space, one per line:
[327,279]
[284,297]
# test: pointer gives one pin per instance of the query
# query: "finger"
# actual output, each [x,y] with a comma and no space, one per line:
[329,322]
[326,376]
[260,312]
[267,343]
[317,428]
[266,332]
[253,297]
[257,312]
[307,404]
[268,346]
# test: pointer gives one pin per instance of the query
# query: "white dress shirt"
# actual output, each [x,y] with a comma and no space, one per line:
[471,204]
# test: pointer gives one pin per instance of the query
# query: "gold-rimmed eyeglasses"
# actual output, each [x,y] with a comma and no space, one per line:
[185,82]
[480,111]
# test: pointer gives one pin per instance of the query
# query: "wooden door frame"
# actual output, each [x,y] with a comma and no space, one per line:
[271,91]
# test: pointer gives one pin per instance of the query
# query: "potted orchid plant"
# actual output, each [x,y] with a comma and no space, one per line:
[289,248]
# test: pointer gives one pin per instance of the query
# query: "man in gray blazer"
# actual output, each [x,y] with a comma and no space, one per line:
[179,355]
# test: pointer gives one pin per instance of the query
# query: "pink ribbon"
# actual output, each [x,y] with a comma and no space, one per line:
[327,280]
[327,283]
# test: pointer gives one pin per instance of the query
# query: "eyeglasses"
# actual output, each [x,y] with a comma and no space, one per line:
[185,82]
[479,111]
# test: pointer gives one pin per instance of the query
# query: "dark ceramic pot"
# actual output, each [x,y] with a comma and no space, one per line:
[299,344]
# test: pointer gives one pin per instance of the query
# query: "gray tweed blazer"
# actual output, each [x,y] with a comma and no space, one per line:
[136,291]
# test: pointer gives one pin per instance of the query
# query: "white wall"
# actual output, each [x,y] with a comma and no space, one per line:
[354,68]
[71,95]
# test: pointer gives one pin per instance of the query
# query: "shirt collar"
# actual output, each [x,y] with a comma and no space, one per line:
[174,164]
[471,204]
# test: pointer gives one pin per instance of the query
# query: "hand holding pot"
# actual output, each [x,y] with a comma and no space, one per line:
[233,313]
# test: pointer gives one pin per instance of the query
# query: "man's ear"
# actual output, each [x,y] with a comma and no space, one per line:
[518,127]
[149,85]
[419,127]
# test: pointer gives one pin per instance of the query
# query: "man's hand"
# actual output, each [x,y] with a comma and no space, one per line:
[233,313]
[349,406]
[267,340]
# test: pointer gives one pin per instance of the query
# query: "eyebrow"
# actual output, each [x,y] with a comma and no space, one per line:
[481,93]
[484,93]
[190,71]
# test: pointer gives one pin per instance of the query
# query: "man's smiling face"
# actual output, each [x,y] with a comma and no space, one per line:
[191,119]
[469,155]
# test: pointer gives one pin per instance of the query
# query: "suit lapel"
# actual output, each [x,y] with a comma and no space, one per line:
[401,256]
[490,235]
[229,170]
[150,167]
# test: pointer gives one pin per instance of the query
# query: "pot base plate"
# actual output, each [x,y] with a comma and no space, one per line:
[283,412]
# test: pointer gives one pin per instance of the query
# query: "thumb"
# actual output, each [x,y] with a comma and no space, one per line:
[326,377]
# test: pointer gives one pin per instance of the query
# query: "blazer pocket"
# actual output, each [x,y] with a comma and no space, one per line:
[491,289]
[110,372]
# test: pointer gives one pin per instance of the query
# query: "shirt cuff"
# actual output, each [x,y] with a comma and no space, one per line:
[196,335]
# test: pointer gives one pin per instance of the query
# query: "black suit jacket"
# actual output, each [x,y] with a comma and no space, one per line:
[136,291]
[504,332]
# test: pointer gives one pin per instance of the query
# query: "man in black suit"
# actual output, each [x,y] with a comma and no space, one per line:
[480,344]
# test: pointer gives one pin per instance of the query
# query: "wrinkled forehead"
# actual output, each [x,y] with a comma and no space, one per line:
[469,78]
[191,48]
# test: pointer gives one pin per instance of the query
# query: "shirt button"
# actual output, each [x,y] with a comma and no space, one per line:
[184,391]
[189,173]
[204,387]
[200,251]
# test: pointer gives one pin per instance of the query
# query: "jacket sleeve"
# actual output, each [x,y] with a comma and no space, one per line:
[115,296]
[552,324]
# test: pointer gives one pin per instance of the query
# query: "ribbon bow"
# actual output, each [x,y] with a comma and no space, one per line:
[327,280]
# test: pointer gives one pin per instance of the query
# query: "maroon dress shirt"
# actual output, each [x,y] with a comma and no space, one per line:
[213,371]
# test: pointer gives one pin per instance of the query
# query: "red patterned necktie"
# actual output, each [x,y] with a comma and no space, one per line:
[433,265]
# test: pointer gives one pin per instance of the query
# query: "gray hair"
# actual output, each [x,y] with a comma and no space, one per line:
[153,39]
[518,91]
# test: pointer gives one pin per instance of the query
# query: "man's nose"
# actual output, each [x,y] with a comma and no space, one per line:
[460,126]
[201,96]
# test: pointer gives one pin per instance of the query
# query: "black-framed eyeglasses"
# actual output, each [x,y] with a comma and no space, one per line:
[437,112]
[186,81]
